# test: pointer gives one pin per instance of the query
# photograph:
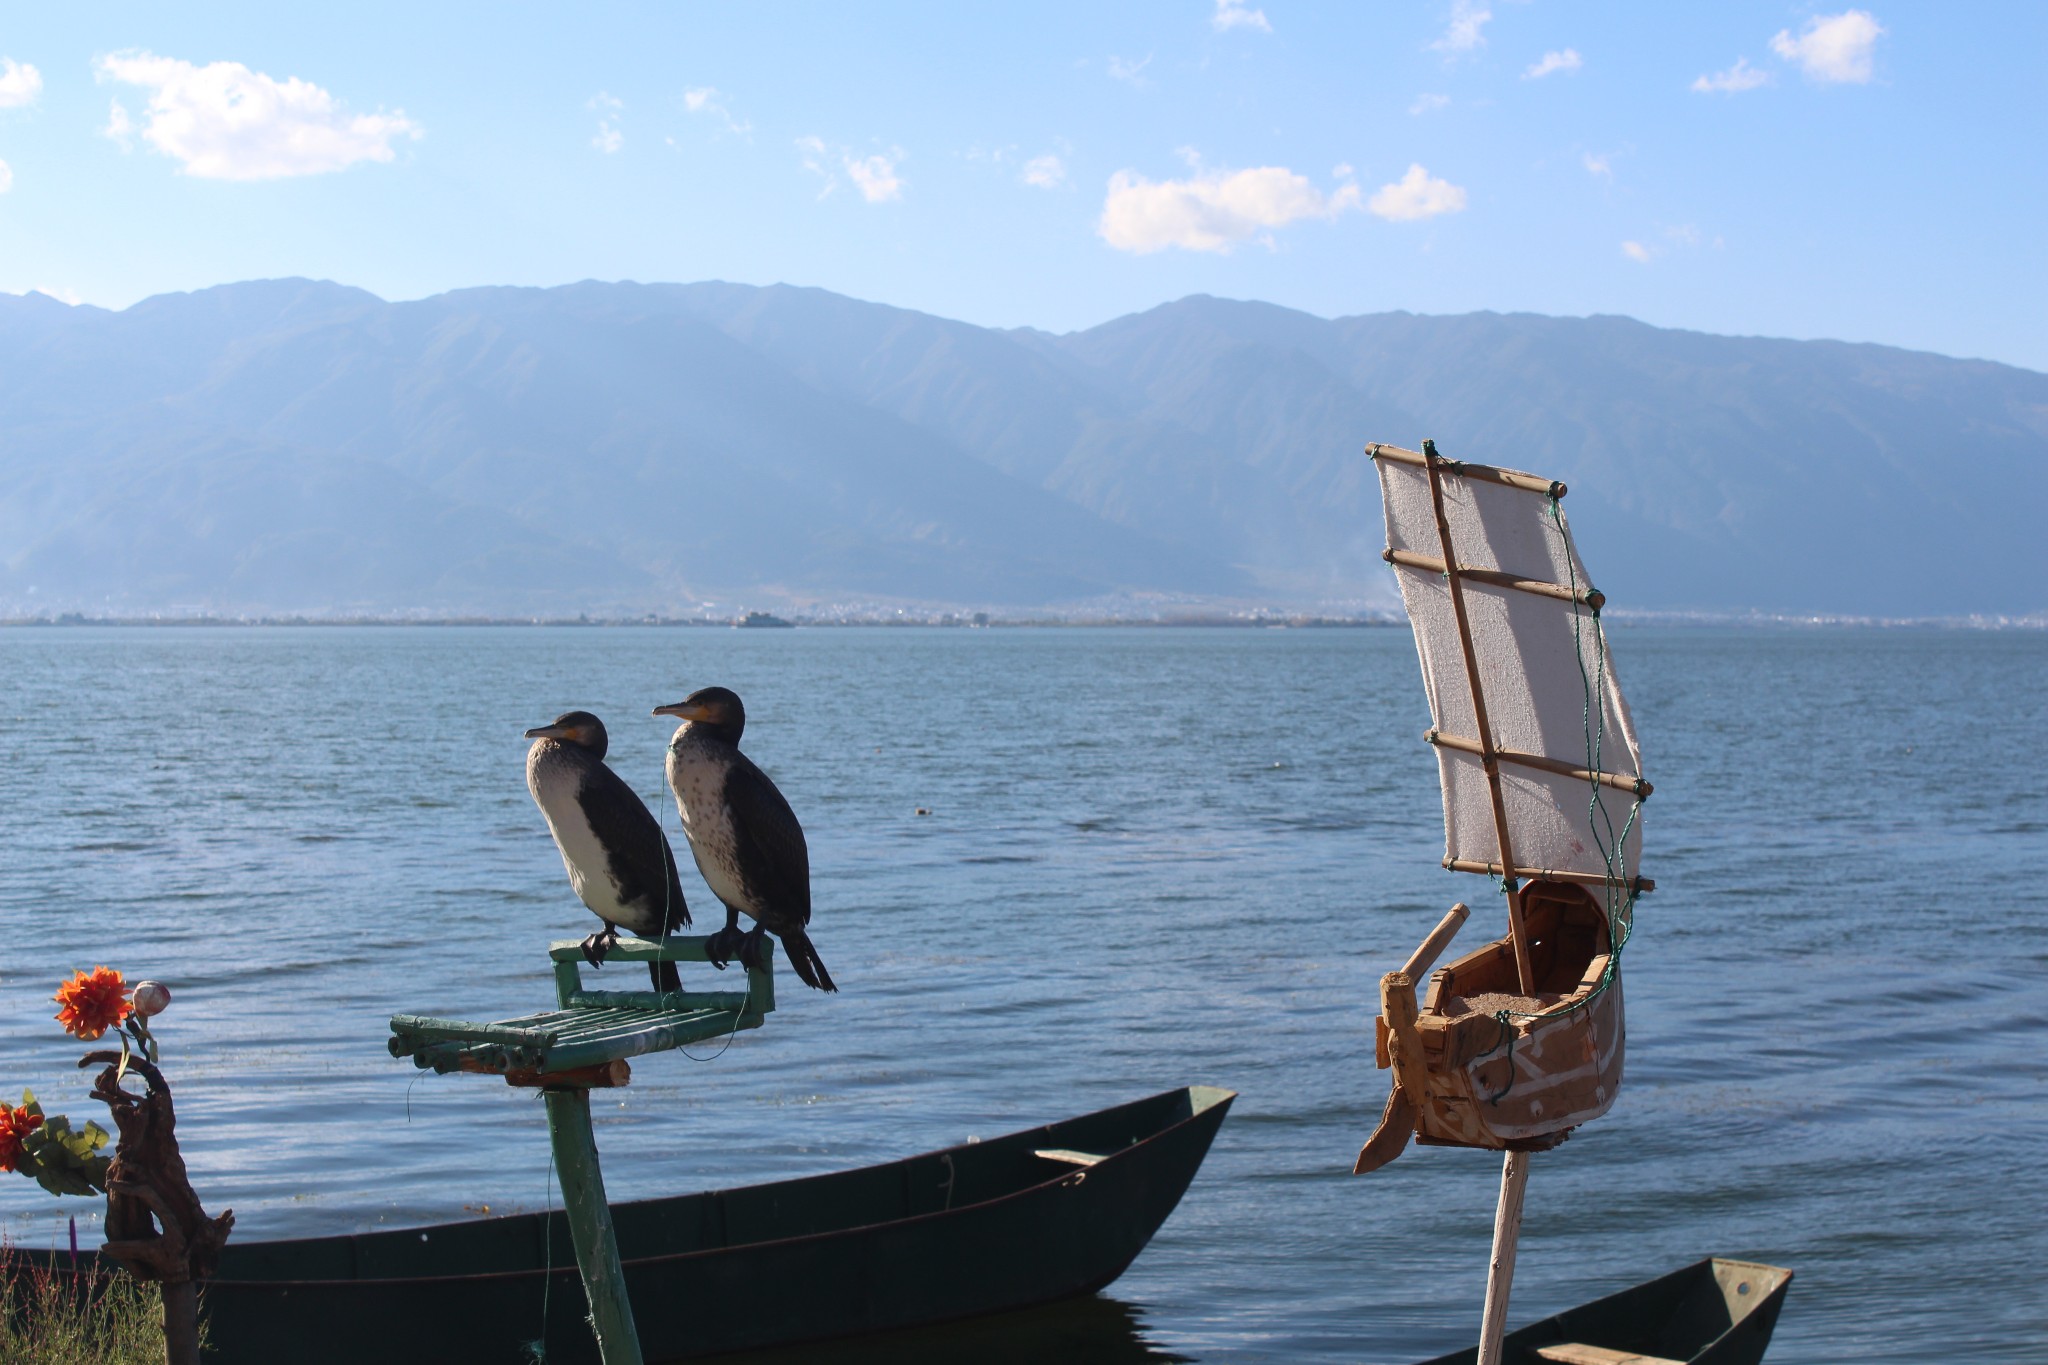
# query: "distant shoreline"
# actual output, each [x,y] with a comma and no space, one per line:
[990,621]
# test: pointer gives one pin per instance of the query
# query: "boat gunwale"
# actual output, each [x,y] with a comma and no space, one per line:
[1223,1097]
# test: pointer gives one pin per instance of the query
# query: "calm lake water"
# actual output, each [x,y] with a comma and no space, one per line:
[1154,857]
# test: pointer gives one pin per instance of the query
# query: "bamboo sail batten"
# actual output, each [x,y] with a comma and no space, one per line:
[1509,478]
[1642,885]
[1493,578]
[1619,781]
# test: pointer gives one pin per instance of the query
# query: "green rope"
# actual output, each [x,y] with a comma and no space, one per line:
[1619,891]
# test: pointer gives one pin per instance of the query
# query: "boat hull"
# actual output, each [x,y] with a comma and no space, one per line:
[1554,1062]
[1713,1312]
[971,1230]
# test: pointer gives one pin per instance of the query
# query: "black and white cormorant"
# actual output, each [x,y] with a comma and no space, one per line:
[619,861]
[745,838]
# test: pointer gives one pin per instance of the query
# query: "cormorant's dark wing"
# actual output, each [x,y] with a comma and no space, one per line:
[646,860]
[771,841]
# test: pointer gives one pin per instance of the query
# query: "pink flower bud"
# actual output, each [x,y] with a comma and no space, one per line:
[150,997]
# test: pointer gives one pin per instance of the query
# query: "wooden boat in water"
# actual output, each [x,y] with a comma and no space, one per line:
[1029,1218]
[1715,1312]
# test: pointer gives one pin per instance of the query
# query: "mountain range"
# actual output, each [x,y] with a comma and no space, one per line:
[293,446]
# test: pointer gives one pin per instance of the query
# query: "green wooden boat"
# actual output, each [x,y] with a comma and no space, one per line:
[1015,1221]
[1714,1312]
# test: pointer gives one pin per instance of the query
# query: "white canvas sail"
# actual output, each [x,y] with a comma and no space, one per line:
[1552,702]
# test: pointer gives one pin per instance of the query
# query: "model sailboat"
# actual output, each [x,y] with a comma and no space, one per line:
[1521,1041]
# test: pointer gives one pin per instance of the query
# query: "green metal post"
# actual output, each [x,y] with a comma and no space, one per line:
[590,1226]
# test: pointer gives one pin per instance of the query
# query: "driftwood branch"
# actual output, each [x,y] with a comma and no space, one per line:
[156,1228]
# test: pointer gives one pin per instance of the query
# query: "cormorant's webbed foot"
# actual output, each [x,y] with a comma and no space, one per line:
[720,947]
[598,945]
[750,948]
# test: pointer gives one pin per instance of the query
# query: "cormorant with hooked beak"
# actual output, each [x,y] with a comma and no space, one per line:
[745,838]
[618,859]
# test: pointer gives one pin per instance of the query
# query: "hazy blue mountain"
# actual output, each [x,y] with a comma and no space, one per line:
[292,445]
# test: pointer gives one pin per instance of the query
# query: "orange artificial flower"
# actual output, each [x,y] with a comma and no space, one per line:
[92,1004]
[15,1124]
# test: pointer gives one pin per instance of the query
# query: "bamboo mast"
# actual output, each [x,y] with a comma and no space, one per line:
[1517,938]
[1514,1174]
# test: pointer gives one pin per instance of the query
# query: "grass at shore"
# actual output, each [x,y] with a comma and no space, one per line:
[45,1321]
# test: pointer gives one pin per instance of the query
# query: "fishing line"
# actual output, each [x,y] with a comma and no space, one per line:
[417,1077]
[538,1349]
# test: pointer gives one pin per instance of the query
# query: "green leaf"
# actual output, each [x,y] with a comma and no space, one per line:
[63,1161]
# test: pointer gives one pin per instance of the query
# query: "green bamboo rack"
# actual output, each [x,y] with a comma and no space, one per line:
[579,1046]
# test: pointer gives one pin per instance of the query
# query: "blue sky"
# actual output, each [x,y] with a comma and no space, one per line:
[1872,174]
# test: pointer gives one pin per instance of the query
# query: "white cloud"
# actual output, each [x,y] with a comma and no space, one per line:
[226,122]
[1047,172]
[1468,18]
[1834,49]
[1230,14]
[1416,196]
[1685,234]
[1736,79]
[1211,210]
[1343,170]
[1636,252]
[20,83]
[1429,104]
[609,139]
[1597,164]
[119,127]
[706,100]
[875,176]
[813,149]
[6,177]
[1130,72]
[1567,60]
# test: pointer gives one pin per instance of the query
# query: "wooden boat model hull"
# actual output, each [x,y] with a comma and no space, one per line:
[1713,1312]
[1554,1062]
[1019,1220]
[1479,1064]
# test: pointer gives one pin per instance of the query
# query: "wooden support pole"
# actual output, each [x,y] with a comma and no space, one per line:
[590,1226]
[1518,938]
[1500,1271]
[181,1323]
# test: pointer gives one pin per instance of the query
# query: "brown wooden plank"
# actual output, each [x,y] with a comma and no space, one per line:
[1577,1353]
[1070,1156]
[1390,1139]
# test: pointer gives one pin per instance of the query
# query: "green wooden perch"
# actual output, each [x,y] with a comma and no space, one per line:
[580,1046]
